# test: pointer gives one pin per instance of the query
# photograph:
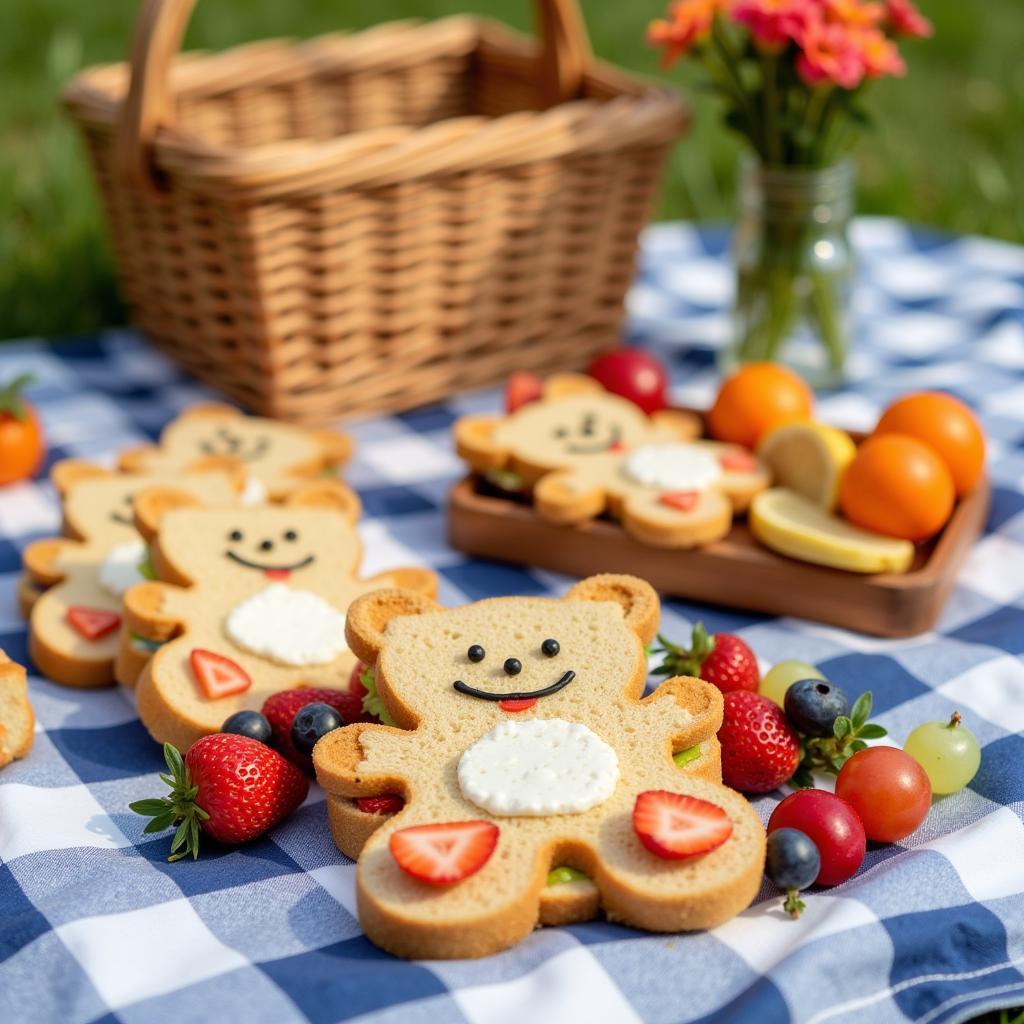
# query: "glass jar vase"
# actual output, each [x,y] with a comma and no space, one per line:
[794,270]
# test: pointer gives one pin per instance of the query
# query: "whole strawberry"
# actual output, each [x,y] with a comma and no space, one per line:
[723,659]
[281,708]
[760,749]
[231,787]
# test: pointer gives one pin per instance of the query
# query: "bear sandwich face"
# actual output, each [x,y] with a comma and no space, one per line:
[504,657]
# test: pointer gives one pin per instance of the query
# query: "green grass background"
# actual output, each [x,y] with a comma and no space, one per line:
[947,148]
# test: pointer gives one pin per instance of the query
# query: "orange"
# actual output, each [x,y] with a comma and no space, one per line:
[898,486]
[756,398]
[946,425]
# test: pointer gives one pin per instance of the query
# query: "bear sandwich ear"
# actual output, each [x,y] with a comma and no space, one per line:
[335,449]
[562,385]
[369,615]
[332,494]
[68,472]
[637,598]
[153,503]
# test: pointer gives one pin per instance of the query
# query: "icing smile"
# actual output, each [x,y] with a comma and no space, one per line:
[231,444]
[520,695]
[614,439]
[270,570]
[119,518]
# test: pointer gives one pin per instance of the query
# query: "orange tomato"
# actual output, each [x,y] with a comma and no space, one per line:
[945,424]
[21,439]
[898,486]
[756,398]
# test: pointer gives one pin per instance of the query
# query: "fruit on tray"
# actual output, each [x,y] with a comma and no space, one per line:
[831,824]
[889,791]
[760,749]
[723,660]
[779,678]
[896,485]
[947,751]
[947,426]
[809,458]
[792,525]
[634,374]
[521,388]
[813,705]
[756,398]
[231,787]
[792,862]
[21,439]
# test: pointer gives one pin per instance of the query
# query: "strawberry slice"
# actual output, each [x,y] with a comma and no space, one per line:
[738,461]
[672,825]
[682,501]
[92,623]
[218,676]
[444,853]
[389,803]
[522,388]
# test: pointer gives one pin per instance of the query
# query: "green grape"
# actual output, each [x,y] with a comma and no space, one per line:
[779,678]
[948,753]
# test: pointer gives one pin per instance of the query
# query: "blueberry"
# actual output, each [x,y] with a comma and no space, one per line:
[792,860]
[813,705]
[248,723]
[311,723]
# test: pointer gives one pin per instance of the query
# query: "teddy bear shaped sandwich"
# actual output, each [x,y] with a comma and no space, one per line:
[523,742]
[17,720]
[247,602]
[277,457]
[587,452]
[72,586]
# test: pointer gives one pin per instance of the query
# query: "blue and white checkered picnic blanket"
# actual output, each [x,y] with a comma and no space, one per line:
[96,925]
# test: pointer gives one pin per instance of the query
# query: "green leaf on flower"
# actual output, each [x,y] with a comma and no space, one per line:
[872,731]
[841,727]
[861,710]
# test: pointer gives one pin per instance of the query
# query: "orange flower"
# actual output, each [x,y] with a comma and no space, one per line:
[688,23]
[878,54]
[906,20]
[829,55]
[854,13]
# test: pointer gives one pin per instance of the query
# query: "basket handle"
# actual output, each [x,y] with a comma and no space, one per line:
[566,50]
[160,29]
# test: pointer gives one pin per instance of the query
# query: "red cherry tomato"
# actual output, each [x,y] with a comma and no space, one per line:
[633,374]
[888,789]
[832,825]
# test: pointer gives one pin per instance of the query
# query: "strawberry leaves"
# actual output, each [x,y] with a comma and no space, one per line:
[11,401]
[179,808]
[829,753]
[680,661]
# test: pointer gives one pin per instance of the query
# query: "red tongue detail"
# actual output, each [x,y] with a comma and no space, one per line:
[277,574]
[517,705]
[684,501]
[617,446]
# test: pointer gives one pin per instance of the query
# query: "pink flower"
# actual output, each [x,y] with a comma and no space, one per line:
[879,55]
[688,23]
[773,23]
[906,20]
[829,55]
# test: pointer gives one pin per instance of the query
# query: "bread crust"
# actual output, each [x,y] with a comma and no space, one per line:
[17,719]
[508,896]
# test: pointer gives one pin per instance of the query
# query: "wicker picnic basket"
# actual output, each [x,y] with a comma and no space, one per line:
[373,221]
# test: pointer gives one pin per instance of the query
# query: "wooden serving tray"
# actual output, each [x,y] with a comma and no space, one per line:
[736,571]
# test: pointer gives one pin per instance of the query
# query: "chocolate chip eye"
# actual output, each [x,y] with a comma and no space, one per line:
[550,647]
[512,666]
[290,535]
[476,653]
[266,545]
[235,535]
[561,432]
